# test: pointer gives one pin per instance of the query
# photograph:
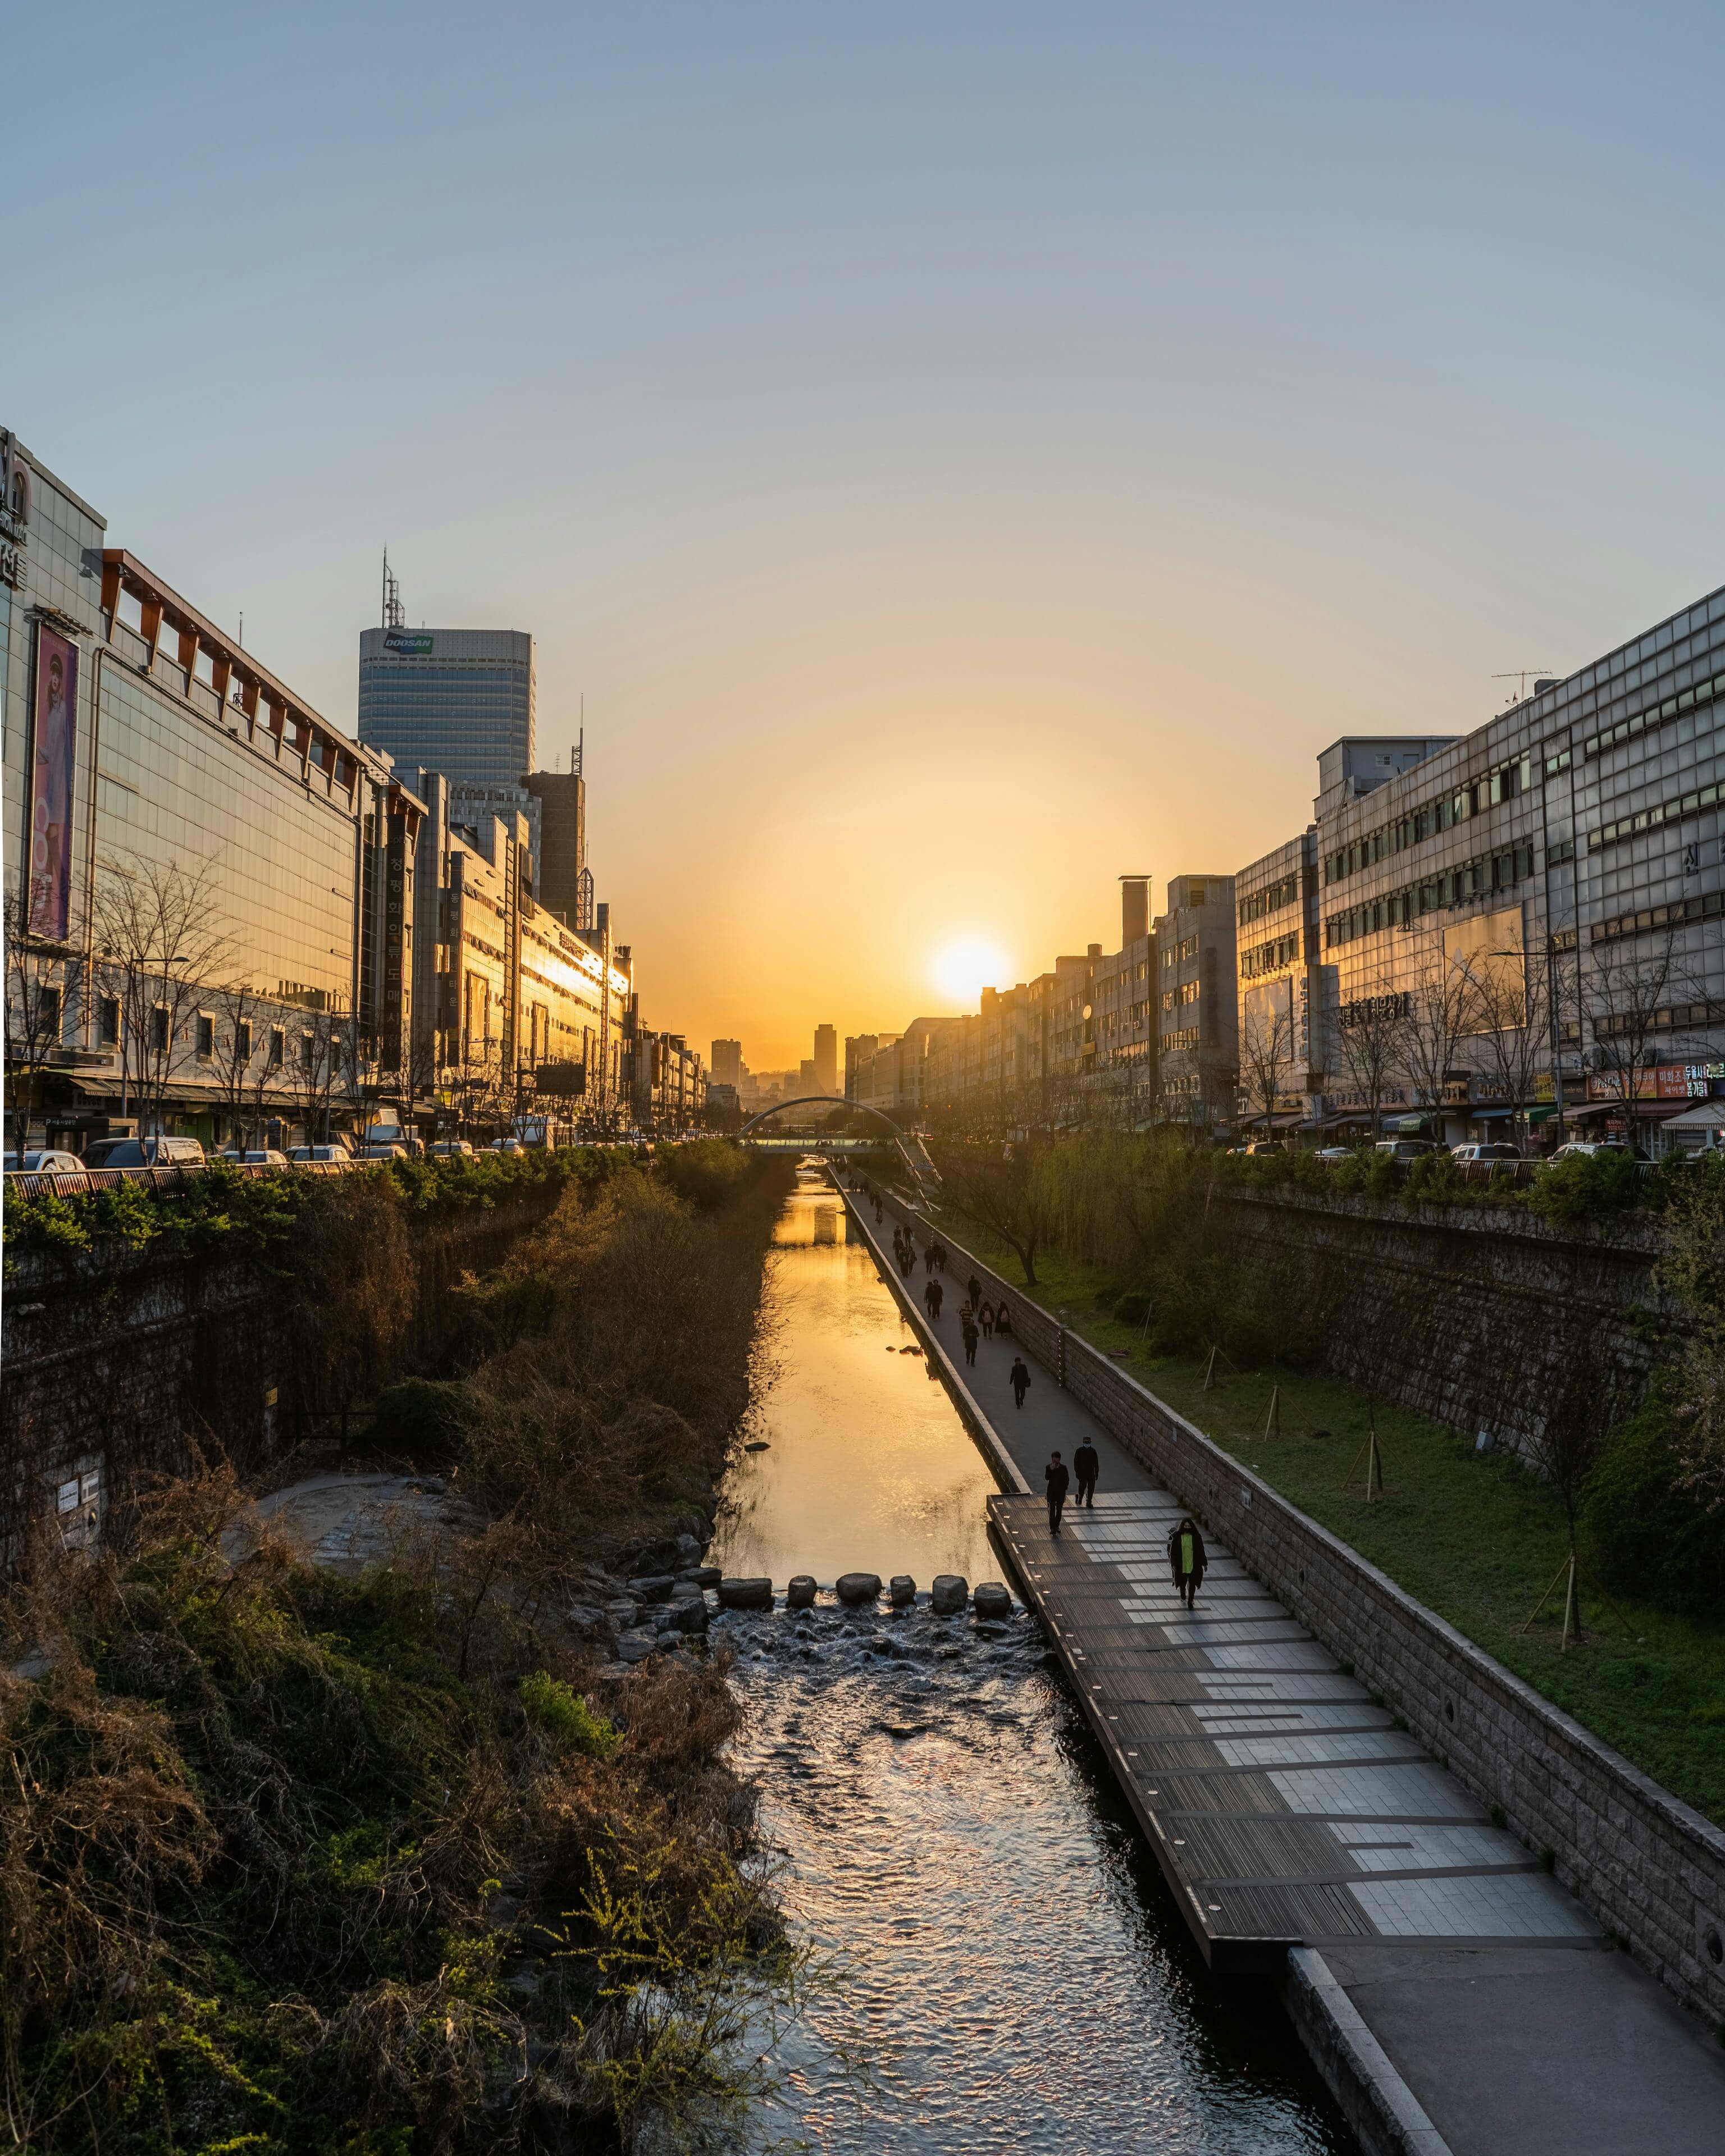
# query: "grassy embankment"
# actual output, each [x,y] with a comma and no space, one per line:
[1476,1539]
[291,1861]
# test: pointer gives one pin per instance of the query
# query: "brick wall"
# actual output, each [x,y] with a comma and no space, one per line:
[1650,1867]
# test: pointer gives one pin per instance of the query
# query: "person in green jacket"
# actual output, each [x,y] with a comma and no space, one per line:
[1187,1560]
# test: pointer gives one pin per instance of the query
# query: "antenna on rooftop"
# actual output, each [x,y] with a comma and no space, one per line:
[1519,675]
[393,617]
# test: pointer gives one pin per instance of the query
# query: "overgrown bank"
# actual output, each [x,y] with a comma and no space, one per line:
[1122,1246]
[292,1861]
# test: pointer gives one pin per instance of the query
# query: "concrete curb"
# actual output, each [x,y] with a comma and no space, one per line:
[1006,1472]
[1380,2106]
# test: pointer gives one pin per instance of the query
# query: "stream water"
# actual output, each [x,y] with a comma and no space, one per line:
[1010,1971]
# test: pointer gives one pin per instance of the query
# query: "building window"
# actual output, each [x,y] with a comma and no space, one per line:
[206,1035]
[307,1051]
[242,1041]
[278,1047]
[47,1012]
[108,1022]
[159,1030]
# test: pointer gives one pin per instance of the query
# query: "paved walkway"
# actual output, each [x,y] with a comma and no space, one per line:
[1286,1808]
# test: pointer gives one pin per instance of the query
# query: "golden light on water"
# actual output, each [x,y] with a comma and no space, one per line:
[963,968]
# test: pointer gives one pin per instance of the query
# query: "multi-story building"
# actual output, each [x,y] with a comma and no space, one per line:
[826,1059]
[211,883]
[895,1078]
[1196,1002]
[726,1064]
[458,700]
[669,1090]
[1524,919]
[1279,1007]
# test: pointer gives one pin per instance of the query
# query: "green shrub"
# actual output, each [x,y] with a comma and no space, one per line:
[1647,1534]
[1106,1299]
[551,1705]
[704,1172]
[1587,1185]
[1132,1308]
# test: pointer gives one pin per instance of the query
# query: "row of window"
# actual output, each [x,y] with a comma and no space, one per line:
[1272,956]
[1184,1037]
[1673,1018]
[1418,824]
[1709,906]
[1650,819]
[1176,954]
[1485,873]
[1657,715]
[1179,999]
[1270,900]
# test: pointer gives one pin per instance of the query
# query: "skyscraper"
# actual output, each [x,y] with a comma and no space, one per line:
[457,700]
[826,1059]
[562,841]
[726,1063]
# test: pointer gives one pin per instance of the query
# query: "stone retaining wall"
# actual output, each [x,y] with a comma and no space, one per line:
[1649,1866]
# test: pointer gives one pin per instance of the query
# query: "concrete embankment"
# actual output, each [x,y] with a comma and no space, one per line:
[1288,1749]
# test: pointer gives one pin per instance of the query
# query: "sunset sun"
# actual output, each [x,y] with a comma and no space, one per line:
[962,969]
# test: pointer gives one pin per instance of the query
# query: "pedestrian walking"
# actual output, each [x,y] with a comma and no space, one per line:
[985,1318]
[932,1296]
[1002,1319]
[970,1340]
[877,1213]
[973,1288]
[1187,1560]
[938,1253]
[1019,1378]
[1058,1481]
[928,1256]
[1086,1464]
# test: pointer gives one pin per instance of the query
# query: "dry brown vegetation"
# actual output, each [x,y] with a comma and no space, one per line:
[293,1861]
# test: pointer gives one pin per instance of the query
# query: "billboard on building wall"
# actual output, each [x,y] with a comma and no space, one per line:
[412,644]
[53,737]
[1491,950]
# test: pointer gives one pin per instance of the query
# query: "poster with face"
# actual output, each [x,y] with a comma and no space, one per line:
[53,742]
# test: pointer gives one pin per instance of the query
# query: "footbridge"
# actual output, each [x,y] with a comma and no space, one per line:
[909,1147]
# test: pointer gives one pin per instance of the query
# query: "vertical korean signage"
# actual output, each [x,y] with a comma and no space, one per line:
[52,743]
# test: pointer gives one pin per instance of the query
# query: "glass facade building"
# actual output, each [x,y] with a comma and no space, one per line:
[457,700]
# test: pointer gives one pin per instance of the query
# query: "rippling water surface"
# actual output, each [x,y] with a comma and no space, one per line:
[1010,1969]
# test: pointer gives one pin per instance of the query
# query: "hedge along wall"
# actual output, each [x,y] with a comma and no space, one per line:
[1465,1313]
[1649,1866]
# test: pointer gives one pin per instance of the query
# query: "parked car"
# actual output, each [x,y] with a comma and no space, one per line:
[506,1145]
[1406,1149]
[143,1152]
[1590,1148]
[46,1160]
[1474,1154]
[383,1149]
[338,1154]
[450,1149]
[1334,1153]
[258,1157]
[1260,1145]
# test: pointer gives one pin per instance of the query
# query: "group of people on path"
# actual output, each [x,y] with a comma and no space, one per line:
[1188,1559]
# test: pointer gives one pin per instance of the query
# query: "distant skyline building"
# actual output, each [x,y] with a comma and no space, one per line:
[826,1059]
[462,701]
[726,1063]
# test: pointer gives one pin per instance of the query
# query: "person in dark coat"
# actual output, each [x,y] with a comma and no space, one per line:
[969,1331]
[987,1315]
[1020,1379]
[1086,1464]
[973,1288]
[1002,1319]
[1058,1481]
[1187,1560]
[932,1296]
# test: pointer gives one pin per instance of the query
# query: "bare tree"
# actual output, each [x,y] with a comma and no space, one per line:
[1442,1012]
[161,942]
[1371,1032]
[1003,1189]
[34,1011]
[1510,1021]
[315,1054]
[1266,1047]
[1630,991]
[240,1010]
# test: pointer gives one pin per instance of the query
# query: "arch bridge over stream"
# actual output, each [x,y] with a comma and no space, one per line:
[908,1145]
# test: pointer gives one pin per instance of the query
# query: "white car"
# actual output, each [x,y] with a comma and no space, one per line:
[336,1155]
[1586,1148]
[1334,1153]
[383,1149]
[1405,1149]
[1484,1155]
[450,1149]
[259,1156]
[46,1161]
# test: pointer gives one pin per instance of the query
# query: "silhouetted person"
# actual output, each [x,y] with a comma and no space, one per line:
[985,1318]
[932,1296]
[1020,1377]
[928,1256]
[973,1288]
[1187,1560]
[878,1216]
[1002,1319]
[1058,1480]
[970,1339]
[1086,1464]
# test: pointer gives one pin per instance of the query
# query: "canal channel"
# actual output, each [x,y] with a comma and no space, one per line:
[1005,1968]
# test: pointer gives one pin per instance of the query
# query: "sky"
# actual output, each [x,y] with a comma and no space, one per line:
[960,454]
